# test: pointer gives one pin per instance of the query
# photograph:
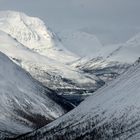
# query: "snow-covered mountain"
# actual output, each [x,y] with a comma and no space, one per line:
[32,33]
[112,60]
[41,53]
[54,73]
[127,52]
[112,113]
[51,73]
[25,104]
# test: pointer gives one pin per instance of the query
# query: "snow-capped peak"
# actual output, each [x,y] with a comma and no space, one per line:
[32,33]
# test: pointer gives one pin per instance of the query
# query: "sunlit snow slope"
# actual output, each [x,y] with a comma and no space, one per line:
[32,33]
[112,113]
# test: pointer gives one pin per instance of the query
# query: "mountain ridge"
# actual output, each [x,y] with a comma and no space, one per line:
[111,113]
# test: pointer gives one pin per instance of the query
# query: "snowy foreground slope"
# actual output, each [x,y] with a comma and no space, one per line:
[41,64]
[113,112]
[25,104]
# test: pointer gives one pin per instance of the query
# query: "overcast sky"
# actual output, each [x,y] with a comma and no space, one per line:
[112,21]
